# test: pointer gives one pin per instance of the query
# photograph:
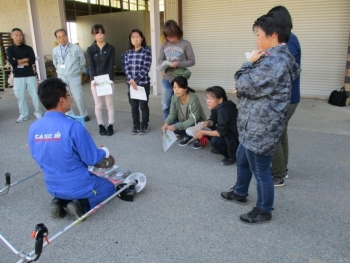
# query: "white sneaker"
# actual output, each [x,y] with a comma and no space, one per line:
[19,120]
[38,117]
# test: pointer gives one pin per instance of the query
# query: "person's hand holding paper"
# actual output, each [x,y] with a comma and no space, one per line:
[138,94]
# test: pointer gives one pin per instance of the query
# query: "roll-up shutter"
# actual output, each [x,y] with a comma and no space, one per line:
[221,32]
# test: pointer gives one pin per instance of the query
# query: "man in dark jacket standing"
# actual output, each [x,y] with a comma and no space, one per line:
[22,59]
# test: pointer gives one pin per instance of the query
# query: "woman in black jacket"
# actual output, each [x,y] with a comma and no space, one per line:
[101,56]
[223,135]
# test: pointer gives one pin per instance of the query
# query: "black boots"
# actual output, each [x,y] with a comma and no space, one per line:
[102,129]
[110,130]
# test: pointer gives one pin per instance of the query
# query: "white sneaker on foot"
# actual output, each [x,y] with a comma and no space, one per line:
[19,120]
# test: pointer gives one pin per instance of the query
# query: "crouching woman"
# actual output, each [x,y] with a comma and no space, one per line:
[223,135]
[185,111]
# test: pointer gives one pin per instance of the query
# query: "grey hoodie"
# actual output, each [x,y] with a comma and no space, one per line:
[265,90]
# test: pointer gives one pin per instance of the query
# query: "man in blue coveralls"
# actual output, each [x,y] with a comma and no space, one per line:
[64,149]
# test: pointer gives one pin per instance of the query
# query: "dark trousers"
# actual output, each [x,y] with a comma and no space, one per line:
[219,143]
[280,158]
[135,113]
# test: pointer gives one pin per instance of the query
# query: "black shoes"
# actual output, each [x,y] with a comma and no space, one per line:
[135,131]
[143,131]
[278,182]
[86,118]
[185,141]
[256,216]
[233,197]
[110,130]
[214,151]
[196,145]
[228,161]
[74,209]
[103,130]
[57,209]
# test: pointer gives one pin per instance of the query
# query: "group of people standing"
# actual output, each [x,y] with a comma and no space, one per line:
[253,136]
[268,88]
[69,61]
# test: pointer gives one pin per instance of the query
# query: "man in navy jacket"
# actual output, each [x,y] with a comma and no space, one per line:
[22,59]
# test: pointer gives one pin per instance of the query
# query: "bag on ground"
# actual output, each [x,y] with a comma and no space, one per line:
[338,98]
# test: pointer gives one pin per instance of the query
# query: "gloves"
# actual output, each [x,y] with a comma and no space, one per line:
[106,150]
[203,141]
[107,162]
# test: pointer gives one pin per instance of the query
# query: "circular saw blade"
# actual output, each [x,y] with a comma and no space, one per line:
[141,181]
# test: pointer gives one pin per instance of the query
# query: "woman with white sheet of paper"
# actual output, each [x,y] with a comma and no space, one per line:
[138,61]
[101,59]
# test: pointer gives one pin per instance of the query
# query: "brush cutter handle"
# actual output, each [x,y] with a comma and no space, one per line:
[39,234]
[8,179]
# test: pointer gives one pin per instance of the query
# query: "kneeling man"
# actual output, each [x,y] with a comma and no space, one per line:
[64,149]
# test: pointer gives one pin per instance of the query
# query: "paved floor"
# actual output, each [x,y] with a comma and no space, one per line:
[180,217]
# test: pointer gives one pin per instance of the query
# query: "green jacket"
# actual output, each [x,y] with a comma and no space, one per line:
[183,72]
[195,112]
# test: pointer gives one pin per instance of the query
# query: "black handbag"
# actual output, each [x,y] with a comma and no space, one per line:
[338,98]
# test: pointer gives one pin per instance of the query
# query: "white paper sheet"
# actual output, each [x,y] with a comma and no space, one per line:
[139,94]
[193,129]
[169,138]
[103,85]
[248,54]
[163,66]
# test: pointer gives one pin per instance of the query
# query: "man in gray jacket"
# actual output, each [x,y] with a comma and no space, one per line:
[264,86]
[69,60]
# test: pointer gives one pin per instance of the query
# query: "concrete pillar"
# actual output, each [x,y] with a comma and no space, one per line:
[347,75]
[32,6]
[62,14]
[156,79]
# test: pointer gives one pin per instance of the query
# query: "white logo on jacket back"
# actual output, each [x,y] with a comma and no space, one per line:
[47,137]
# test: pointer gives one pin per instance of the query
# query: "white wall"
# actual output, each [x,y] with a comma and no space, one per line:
[117,26]
[14,13]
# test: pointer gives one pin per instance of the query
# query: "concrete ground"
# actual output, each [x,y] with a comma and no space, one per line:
[179,216]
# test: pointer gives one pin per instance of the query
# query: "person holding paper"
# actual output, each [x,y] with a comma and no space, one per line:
[264,85]
[138,61]
[223,135]
[185,111]
[179,53]
[101,59]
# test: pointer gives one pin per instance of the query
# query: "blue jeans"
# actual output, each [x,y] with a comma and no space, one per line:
[166,96]
[249,163]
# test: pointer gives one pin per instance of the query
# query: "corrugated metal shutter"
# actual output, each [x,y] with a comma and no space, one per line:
[221,32]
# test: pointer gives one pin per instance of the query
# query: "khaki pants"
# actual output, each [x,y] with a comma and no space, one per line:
[74,84]
[21,85]
[280,158]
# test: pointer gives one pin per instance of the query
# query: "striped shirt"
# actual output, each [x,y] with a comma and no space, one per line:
[137,65]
